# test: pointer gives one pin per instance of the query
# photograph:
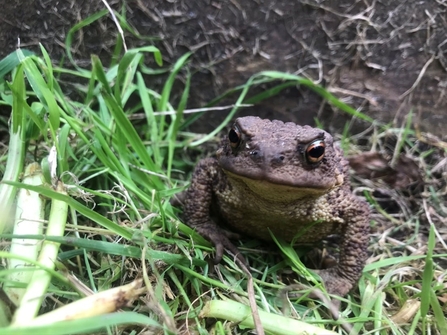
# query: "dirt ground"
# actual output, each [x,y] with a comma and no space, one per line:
[386,57]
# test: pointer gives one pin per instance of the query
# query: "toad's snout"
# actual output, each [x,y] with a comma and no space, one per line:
[266,158]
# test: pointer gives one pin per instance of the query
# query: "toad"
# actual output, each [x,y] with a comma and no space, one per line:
[271,177]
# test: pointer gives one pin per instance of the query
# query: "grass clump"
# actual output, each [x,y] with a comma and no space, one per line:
[112,153]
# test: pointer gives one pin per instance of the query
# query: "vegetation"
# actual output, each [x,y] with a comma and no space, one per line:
[112,151]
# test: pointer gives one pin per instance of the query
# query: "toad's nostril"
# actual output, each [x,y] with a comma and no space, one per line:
[278,159]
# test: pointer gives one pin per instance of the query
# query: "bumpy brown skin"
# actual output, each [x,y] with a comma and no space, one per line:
[268,181]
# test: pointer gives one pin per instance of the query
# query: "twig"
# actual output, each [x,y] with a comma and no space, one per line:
[421,74]
[427,214]
[371,100]
[118,26]
[251,297]
[138,116]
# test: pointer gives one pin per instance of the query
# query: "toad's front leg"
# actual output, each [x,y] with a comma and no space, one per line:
[197,204]
[340,279]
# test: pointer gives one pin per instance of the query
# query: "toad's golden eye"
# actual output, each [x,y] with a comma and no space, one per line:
[234,137]
[315,151]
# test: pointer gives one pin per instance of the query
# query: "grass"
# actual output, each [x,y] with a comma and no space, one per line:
[112,176]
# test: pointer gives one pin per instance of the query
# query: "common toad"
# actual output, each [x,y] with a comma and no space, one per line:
[285,179]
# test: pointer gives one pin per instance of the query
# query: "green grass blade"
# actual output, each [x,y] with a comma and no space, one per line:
[126,72]
[99,73]
[49,68]
[85,211]
[85,325]
[44,94]
[77,27]
[163,103]
[427,275]
[11,61]
[110,248]
[438,312]
[317,88]
[175,125]
[134,140]
[16,152]
[152,124]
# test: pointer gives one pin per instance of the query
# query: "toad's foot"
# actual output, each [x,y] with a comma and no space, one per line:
[221,240]
[334,282]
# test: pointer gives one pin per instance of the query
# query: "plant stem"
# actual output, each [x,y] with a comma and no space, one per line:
[37,288]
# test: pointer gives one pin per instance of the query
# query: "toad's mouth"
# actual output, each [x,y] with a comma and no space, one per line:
[285,182]
[280,189]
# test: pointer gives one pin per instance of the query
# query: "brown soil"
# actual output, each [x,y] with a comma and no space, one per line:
[387,57]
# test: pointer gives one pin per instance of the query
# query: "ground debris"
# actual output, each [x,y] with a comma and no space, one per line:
[376,167]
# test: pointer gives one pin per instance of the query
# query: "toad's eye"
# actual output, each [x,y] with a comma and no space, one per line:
[315,151]
[234,137]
